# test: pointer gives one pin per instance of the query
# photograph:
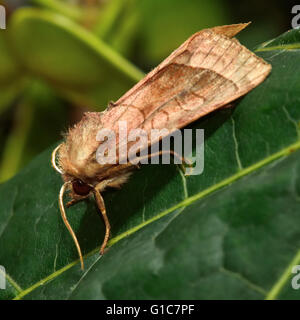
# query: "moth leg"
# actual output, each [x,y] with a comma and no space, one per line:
[111,172]
[184,161]
[75,200]
[174,154]
[101,206]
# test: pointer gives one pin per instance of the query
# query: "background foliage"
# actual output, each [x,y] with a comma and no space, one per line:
[229,233]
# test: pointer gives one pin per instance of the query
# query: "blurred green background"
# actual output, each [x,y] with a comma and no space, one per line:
[60,58]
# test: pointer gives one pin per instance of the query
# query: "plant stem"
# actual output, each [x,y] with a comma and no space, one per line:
[65,9]
[15,143]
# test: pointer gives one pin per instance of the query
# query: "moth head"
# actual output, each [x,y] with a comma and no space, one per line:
[81,188]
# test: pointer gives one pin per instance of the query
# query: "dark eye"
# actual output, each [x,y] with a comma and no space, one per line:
[81,188]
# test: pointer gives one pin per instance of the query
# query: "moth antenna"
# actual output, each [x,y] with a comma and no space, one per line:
[53,160]
[64,217]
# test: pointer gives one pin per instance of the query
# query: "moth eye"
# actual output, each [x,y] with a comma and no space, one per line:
[81,188]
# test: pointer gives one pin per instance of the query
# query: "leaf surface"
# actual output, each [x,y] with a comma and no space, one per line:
[229,233]
[73,60]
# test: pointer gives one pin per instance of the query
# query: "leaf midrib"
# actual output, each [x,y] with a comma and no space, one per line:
[293,46]
[275,290]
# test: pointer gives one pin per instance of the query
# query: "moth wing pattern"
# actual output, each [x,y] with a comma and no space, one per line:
[208,71]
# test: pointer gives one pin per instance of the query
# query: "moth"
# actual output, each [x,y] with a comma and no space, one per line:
[208,71]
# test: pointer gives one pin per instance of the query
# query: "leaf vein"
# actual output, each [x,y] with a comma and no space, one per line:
[239,276]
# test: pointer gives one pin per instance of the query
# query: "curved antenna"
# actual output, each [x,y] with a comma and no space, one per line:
[53,160]
[64,217]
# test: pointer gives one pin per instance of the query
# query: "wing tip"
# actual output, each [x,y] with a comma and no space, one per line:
[230,30]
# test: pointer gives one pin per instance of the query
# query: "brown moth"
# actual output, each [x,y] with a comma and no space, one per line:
[208,71]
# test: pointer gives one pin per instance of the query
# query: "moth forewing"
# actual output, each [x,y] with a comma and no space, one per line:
[208,71]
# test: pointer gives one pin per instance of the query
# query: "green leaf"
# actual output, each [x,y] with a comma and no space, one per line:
[67,9]
[159,31]
[288,40]
[230,233]
[36,110]
[69,57]
[8,93]
[9,68]
[11,81]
